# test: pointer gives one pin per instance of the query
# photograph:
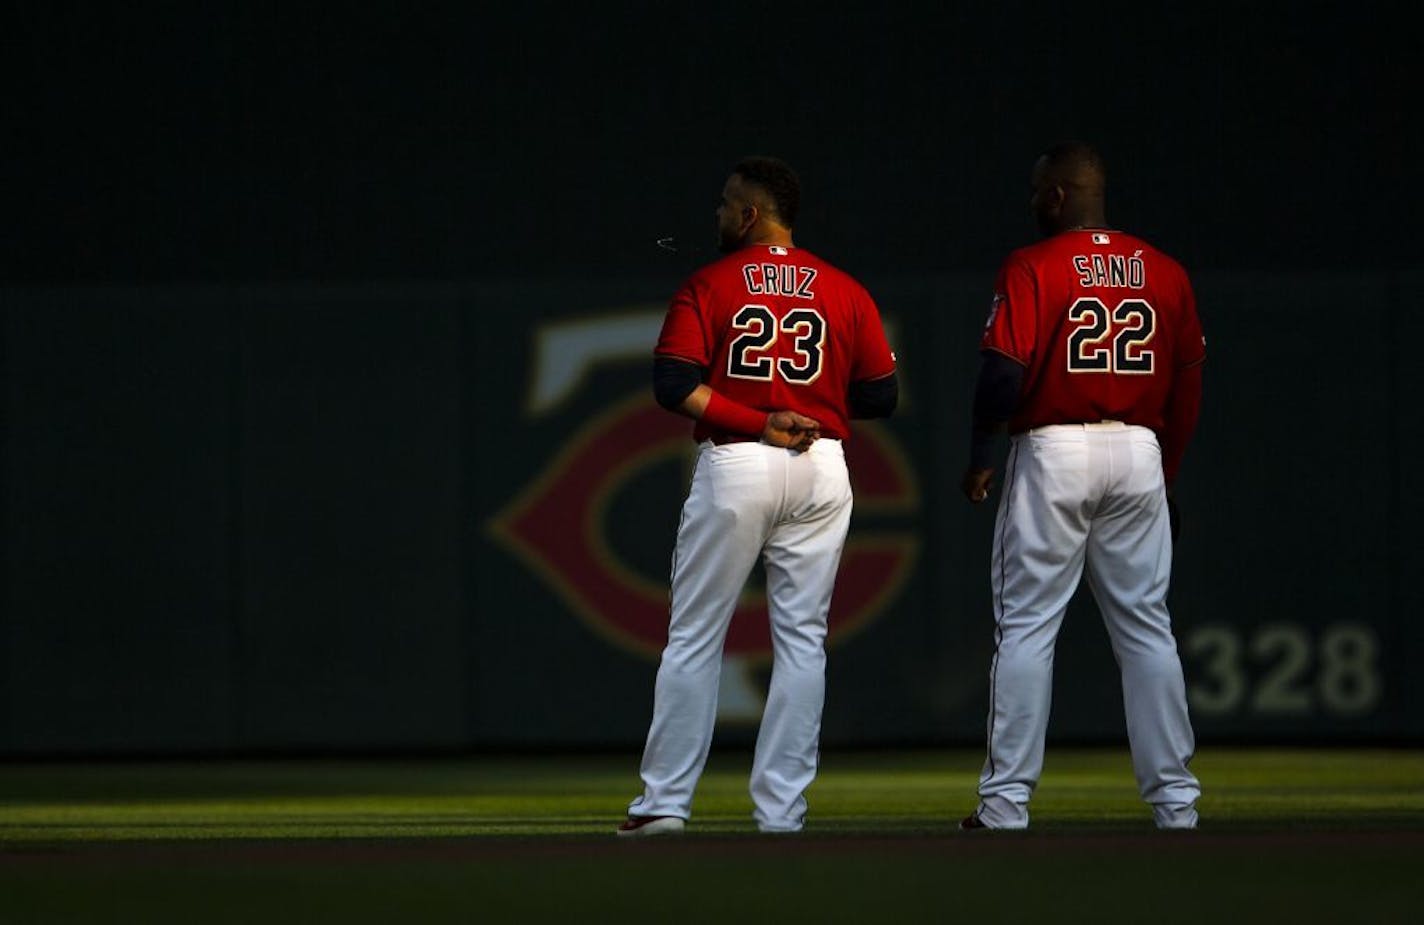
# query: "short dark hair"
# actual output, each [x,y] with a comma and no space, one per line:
[779,181]
[1074,157]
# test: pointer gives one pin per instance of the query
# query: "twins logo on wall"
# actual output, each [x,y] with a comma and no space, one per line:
[561,523]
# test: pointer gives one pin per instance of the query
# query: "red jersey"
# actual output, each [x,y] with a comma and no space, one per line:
[1101,322]
[777,328]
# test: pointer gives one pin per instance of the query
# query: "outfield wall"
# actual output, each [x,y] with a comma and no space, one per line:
[440,517]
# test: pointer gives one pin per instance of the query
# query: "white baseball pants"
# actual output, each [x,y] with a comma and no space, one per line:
[1079,497]
[749,500]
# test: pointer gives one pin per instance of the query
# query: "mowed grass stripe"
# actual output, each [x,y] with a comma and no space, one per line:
[580,796]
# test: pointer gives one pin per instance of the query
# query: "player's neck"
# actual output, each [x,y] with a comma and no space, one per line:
[766,233]
[1087,221]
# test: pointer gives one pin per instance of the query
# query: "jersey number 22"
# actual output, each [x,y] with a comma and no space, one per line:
[1111,341]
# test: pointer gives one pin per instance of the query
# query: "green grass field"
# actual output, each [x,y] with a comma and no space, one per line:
[1287,835]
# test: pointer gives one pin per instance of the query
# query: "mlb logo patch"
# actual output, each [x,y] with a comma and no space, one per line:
[1100,238]
[778,251]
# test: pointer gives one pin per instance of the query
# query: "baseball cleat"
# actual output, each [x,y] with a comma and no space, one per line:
[972,821]
[643,826]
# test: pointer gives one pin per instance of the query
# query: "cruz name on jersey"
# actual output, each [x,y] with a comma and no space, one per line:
[779,279]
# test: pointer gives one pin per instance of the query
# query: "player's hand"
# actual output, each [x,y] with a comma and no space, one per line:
[976,484]
[791,430]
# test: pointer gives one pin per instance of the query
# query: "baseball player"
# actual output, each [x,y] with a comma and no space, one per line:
[1092,357]
[772,351]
